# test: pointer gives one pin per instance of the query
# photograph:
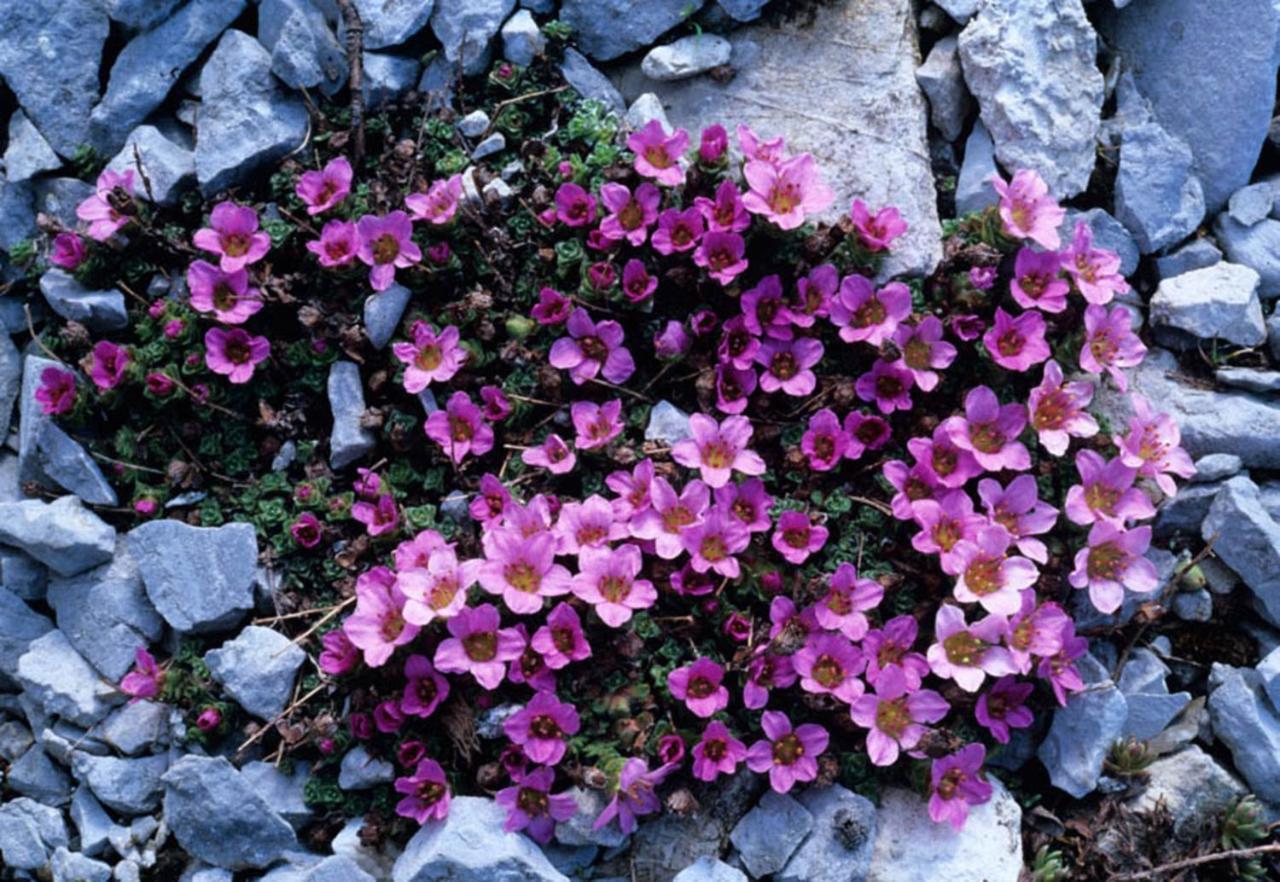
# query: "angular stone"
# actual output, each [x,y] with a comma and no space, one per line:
[1196,254]
[62,682]
[606,29]
[61,462]
[1220,302]
[1216,467]
[522,41]
[666,845]
[360,771]
[19,625]
[62,534]
[17,215]
[168,165]
[686,57]
[471,846]
[337,868]
[257,669]
[646,107]
[28,153]
[437,84]
[1248,541]
[284,793]
[942,80]
[23,575]
[1186,511]
[136,728]
[842,838]
[1249,379]
[1257,247]
[392,23]
[91,821]
[10,381]
[376,860]
[349,441]
[973,186]
[742,10]
[58,198]
[62,739]
[129,786]
[708,869]
[1245,721]
[1251,204]
[140,14]
[769,834]
[305,54]
[218,817]
[387,77]
[1149,714]
[29,832]
[99,311]
[465,28]
[667,424]
[70,866]
[15,739]
[35,775]
[151,63]
[1193,606]
[580,829]
[473,125]
[1083,731]
[589,82]
[495,143]
[1191,787]
[174,558]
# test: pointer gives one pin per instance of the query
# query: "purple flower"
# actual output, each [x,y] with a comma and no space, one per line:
[1113,561]
[969,653]
[307,530]
[764,673]
[460,428]
[989,431]
[552,454]
[713,145]
[541,726]
[552,307]
[430,358]
[717,752]
[669,514]
[635,795]
[887,384]
[439,204]
[733,388]
[1110,343]
[225,294]
[987,574]
[896,714]
[424,689]
[56,393]
[721,255]
[561,641]
[829,664]
[863,313]
[637,285]
[380,516]
[145,680]
[340,655]
[425,792]
[877,231]
[338,244]
[575,207]
[386,244]
[786,192]
[790,754]
[1153,446]
[1095,271]
[325,189]
[1017,344]
[1027,210]
[234,353]
[1057,410]
[630,214]
[477,646]
[607,580]
[596,424]
[718,449]
[890,647]
[796,537]
[1003,707]
[725,213]
[678,230]
[592,348]
[658,154]
[787,365]
[107,210]
[824,441]
[1106,492]
[522,570]
[234,236]
[1037,281]
[68,251]
[378,625]
[924,352]
[109,363]
[436,588]
[532,807]
[700,686]
[1019,510]
[672,342]
[848,597]
[956,783]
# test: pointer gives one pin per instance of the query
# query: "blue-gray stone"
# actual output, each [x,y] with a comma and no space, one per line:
[387,77]
[1249,379]
[471,846]
[769,834]
[62,534]
[10,381]
[63,683]
[28,153]
[1257,247]
[1251,204]
[15,739]
[742,10]
[646,107]
[382,313]
[337,868]
[1149,714]
[140,14]
[392,23]
[257,669]
[1248,541]
[588,82]
[59,198]
[168,164]
[579,829]
[72,866]
[942,80]
[136,728]
[129,786]
[667,424]
[465,29]
[1190,787]
[708,869]
[60,461]
[1216,467]
[495,143]
[349,440]
[222,561]
[35,775]
[1185,512]
[1143,672]
[1269,671]
[1196,254]
[19,625]
[1245,721]
[973,186]
[99,311]
[91,821]
[606,29]
[456,507]
[360,770]
[305,54]
[29,832]
[842,841]
[284,793]
[522,41]
[1219,301]
[62,739]
[571,860]
[1193,606]
[686,57]
[152,62]
[1083,731]
[23,575]
[17,213]
[436,84]
[474,124]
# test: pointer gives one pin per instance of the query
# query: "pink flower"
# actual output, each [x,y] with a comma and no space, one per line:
[436,589]
[552,454]
[717,752]
[846,602]
[532,807]
[146,680]
[890,647]
[225,294]
[1027,209]
[989,431]
[673,341]
[787,365]
[1106,492]
[913,484]
[945,521]
[575,207]
[531,668]
[425,792]
[637,284]
[824,441]
[411,554]
[460,428]
[755,147]
[109,364]
[234,353]
[658,154]
[1057,410]
[733,388]
[630,215]
[813,295]
[1003,707]
[713,144]
[491,500]
[386,243]
[1096,272]
[68,251]
[552,307]
[738,344]
[307,530]
[1110,343]
[956,782]
[765,672]
[1017,344]
[477,646]
[678,230]
[863,313]
[1037,283]
[725,213]
[721,255]
[982,278]
[896,715]
[789,755]
[924,351]
[714,541]
[378,625]
[700,686]
[57,391]
[340,655]
[632,489]
[877,231]
[325,189]
[786,191]
[430,358]
[522,570]
[1153,446]
[233,234]
[1019,510]
[439,204]
[592,348]
[988,575]
[888,384]
[796,537]
[669,515]
[497,407]
[635,795]
[596,424]
[541,726]
[560,641]
[210,718]
[1060,669]
[1036,630]
[424,689]
[748,503]
[968,653]
[159,383]
[103,210]
[718,449]
[338,244]
[865,432]
[1113,561]
[607,580]
[828,664]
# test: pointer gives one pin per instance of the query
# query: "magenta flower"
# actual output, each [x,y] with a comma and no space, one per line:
[887,384]
[1019,510]
[848,597]
[877,231]
[552,454]
[1037,630]
[945,520]
[988,575]
[1027,210]
[765,311]
[678,230]
[411,554]
[425,792]
[146,680]
[338,245]
[541,726]
[1037,282]
[865,432]
[102,210]
[890,647]
[1057,410]
[637,285]
[989,431]
[530,668]
[796,537]
[607,580]
[828,664]
[522,570]
[713,543]
[596,424]
[896,714]
[307,530]
[748,503]
[658,154]
[378,625]
[630,214]
[947,464]
[863,313]
[982,278]
[669,515]
[490,501]
[924,352]
[56,393]
[733,388]
[672,342]
[790,754]
[225,294]
[340,655]
[438,589]
[1003,707]
[68,251]
[478,646]
[969,653]
[635,795]
[912,483]
[1017,344]
[560,641]
[1095,271]
[386,244]
[234,236]
[824,441]
[552,307]
[1060,669]
[110,361]
[325,189]
[755,147]
[718,449]
[430,358]
[632,488]
[738,344]
[785,192]
[1113,561]
[1153,446]
[1106,492]
[497,407]
[234,353]
[717,752]
[787,365]
[424,689]
[592,348]
[1110,343]
[700,686]
[713,145]
[725,213]
[532,807]
[721,255]
[575,207]
[765,672]
[439,204]
[587,524]
[460,428]
[956,783]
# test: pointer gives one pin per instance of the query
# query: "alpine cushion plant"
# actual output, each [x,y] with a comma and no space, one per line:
[855,559]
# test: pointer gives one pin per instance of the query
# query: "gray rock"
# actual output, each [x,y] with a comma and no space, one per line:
[1191,787]
[495,143]
[129,786]
[667,424]
[387,77]
[337,868]
[136,728]
[742,10]
[942,80]
[474,124]
[1249,379]
[247,122]
[29,832]
[1220,301]
[1248,541]
[1149,714]
[91,821]
[23,575]
[99,311]
[257,669]
[284,793]
[285,457]
[62,534]
[1251,204]
[392,23]
[49,56]
[840,846]
[666,845]
[1216,467]
[1273,335]
[522,41]
[1186,511]
[349,441]
[19,625]
[10,381]
[436,84]
[305,54]
[973,186]
[62,682]
[588,82]
[648,106]
[28,153]
[960,10]
[382,313]
[911,848]
[70,866]
[1143,673]
[63,463]
[1196,254]
[15,739]
[869,140]
[470,846]
[606,29]
[360,771]
[173,556]
[199,872]
[377,861]
[1167,45]
[1257,247]
[579,829]
[17,214]
[708,869]
[769,834]
[1083,731]
[62,739]
[1269,671]
[140,15]
[31,419]
[686,57]
[152,62]
[456,507]
[218,817]
[1033,68]
[35,775]
[166,164]
[465,28]
[1245,721]
[1193,606]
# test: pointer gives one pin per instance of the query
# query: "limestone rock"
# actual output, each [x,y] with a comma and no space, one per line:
[257,669]
[607,29]
[62,534]
[471,846]
[1220,301]
[200,579]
